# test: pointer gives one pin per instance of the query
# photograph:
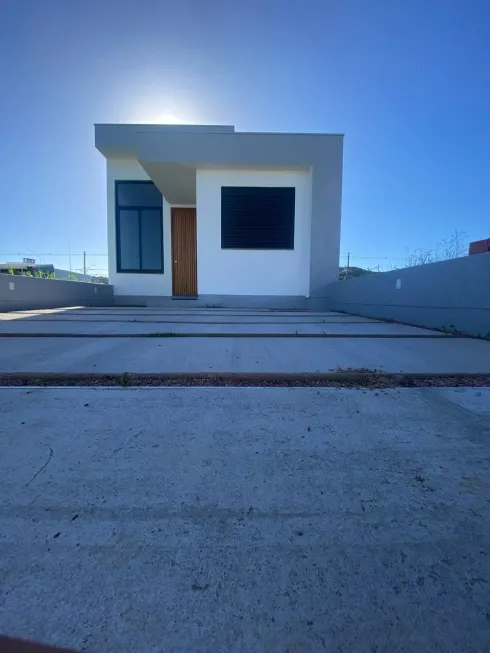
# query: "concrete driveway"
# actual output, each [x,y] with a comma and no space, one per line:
[203,340]
[246,519]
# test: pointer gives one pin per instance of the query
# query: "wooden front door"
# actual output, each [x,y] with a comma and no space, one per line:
[184,252]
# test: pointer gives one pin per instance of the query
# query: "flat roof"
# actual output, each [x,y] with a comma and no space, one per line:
[163,128]
[170,128]
[195,143]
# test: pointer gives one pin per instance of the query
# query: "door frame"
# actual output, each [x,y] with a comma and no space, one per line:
[172,207]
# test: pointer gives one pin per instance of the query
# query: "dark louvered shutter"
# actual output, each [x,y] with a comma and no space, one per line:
[257,217]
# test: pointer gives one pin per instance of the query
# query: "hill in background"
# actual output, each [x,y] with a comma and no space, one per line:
[353,272]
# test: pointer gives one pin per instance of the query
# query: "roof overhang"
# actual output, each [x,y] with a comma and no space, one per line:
[176,182]
[170,154]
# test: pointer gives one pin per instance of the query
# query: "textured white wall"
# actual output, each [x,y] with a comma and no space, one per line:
[251,272]
[135,284]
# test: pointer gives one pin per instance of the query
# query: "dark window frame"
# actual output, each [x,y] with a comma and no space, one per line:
[139,209]
[291,237]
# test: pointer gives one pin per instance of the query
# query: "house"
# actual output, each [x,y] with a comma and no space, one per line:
[227,218]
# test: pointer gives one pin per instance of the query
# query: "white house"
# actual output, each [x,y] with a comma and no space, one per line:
[208,213]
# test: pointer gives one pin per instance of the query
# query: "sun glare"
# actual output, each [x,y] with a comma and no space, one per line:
[145,114]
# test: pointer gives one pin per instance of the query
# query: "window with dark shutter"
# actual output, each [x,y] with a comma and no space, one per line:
[139,227]
[257,217]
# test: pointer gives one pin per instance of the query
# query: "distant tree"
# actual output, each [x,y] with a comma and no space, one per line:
[352,272]
[453,247]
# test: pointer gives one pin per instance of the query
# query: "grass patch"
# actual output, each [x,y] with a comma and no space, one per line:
[125,380]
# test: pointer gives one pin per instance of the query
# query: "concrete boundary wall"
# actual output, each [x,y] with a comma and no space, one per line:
[19,293]
[452,294]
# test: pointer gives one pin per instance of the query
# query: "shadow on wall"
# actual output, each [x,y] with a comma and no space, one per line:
[452,295]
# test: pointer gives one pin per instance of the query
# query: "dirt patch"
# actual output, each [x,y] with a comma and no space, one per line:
[339,379]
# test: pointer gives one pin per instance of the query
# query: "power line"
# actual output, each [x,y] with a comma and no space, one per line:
[378,258]
[52,254]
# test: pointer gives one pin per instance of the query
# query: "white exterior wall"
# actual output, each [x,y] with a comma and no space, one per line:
[220,272]
[135,284]
[251,272]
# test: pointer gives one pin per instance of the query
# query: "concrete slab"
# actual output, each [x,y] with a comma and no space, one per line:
[229,354]
[189,319]
[181,316]
[427,355]
[245,519]
[130,327]
[475,402]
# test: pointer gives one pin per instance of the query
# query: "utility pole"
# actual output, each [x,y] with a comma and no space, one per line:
[69,256]
[84,262]
[348,260]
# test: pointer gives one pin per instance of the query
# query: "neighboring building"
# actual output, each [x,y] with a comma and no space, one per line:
[30,266]
[66,274]
[98,278]
[480,246]
[230,217]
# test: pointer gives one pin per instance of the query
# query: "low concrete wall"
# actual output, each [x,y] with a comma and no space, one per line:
[24,293]
[452,294]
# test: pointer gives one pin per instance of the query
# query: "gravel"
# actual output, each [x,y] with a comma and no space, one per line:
[355,378]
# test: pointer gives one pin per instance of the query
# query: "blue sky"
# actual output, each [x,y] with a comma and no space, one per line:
[407,81]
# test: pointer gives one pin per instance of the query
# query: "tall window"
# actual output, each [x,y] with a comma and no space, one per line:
[257,217]
[139,227]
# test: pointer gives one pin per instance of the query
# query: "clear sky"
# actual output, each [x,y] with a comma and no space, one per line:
[406,81]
